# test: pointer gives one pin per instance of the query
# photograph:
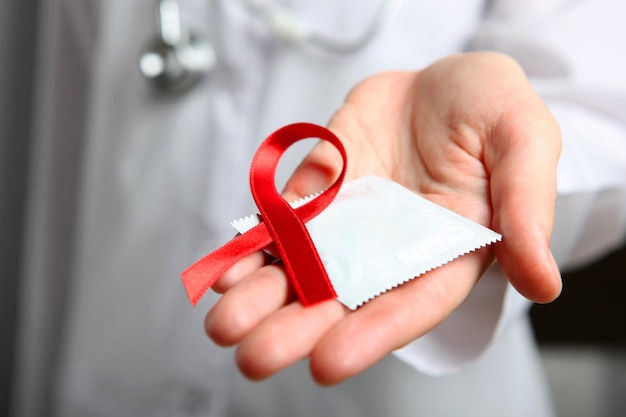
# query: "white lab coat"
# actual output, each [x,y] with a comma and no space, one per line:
[129,187]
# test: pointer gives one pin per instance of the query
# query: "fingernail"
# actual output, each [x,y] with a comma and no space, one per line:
[557,274]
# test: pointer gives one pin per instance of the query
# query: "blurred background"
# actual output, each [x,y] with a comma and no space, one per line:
[582,335]
[17,50]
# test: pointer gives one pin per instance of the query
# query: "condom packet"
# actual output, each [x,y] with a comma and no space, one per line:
[376,235]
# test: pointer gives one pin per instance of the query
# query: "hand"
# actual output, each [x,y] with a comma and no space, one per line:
[468,133]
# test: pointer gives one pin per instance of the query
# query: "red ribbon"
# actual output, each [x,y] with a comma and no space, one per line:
[281,224]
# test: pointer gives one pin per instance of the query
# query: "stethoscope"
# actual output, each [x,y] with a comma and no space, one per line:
[178,58]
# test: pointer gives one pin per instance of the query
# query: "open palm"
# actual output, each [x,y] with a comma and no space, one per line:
[468,133]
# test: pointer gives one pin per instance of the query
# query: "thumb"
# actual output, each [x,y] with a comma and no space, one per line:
[523,164]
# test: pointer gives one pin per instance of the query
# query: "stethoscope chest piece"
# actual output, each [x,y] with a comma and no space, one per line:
[175,60]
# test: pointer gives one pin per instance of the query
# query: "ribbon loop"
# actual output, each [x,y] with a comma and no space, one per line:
[280,224]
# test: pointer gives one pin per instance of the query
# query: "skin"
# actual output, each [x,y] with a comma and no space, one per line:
[469,133]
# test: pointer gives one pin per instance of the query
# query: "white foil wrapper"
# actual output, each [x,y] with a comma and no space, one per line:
[376,235]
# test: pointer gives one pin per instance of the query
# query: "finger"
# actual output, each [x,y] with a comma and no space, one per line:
[286,337]
[395,318]
[240,270]
[523,190]
[246,304]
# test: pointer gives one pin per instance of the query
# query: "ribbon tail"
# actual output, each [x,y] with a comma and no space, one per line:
[203,274]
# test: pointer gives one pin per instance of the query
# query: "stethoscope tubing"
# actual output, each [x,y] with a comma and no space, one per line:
[178,58]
